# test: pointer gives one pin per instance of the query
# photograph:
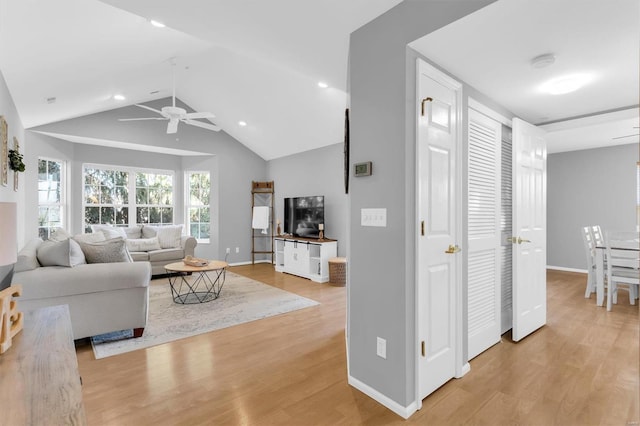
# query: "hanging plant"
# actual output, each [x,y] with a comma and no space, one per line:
[15,161]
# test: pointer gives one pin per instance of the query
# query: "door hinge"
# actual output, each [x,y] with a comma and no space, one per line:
[422,228]
[422,348]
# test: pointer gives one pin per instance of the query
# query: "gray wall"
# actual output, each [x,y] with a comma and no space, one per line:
[7,194]
[382,260]
[588,187]
[231,164]
[316,172]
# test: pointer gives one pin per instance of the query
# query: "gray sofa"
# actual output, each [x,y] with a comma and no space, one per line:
[102,298]
[161,257]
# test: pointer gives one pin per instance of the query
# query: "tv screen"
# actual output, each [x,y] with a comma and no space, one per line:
[302,215]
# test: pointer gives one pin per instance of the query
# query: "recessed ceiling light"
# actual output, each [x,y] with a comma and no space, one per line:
[543,60]
[565,84]
[322,84]
[119,97]
[157,24]
[242,123]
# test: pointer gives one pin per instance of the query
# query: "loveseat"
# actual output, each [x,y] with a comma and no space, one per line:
[102,297]
[158,245]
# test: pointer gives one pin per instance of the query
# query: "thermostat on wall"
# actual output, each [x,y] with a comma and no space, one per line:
[362,169]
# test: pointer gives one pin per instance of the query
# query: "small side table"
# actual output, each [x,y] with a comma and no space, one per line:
[203,288]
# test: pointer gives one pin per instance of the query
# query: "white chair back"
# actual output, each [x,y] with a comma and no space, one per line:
[598,238]
[623,264]
[590,251]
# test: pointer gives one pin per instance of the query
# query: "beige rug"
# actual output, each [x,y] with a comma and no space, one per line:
[241,300]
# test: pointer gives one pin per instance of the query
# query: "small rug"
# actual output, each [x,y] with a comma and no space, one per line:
[241,300]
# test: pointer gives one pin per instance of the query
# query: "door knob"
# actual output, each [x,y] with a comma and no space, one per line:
[517,240]
[522,240]
[452,249]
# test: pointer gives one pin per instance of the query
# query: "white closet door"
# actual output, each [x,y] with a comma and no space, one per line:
[506,261]
[484,233]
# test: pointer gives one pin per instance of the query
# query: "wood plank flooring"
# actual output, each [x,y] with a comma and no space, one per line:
[580,369]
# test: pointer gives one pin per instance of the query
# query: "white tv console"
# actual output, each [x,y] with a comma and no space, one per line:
[305,257]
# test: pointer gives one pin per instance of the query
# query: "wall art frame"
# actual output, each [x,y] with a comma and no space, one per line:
[4,161]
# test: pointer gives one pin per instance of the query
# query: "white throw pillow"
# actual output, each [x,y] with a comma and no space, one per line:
[89,238]
[109,231]
[133,232]
[169,236]
[143,244]
[59,234]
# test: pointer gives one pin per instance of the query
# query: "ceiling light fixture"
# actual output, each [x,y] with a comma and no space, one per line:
[157,24]
[543,61]
[565,84]
[322,85]
[119,97]
[242,123]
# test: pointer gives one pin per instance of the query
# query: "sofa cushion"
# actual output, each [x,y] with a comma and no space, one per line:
[59,234]
[110,251]
[166,254]
[60,253]
[133,232]
[27,257]
[139,256]
[143,244]
[169,236]
[59,281]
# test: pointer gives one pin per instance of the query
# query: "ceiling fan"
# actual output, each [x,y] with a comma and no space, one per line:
[176,114]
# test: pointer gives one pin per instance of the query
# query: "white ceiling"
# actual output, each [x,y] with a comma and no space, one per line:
[251,60]
[260,61]
[492,50]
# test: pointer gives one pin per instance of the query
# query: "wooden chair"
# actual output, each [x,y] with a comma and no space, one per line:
[623,265]
[590,251]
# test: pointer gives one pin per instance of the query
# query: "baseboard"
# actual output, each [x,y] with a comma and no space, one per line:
[562,268]
[404,412]
[465,369]
[249,262]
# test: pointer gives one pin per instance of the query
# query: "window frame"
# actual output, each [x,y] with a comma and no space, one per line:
[132,204]
[188,205]
[62,204]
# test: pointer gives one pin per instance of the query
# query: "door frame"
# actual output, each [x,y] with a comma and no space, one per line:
[462,366]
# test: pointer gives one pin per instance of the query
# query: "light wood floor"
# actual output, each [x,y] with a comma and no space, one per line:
[580,369]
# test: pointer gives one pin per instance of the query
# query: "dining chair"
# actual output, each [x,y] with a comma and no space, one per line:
[590,251]
[623,265]
[598,237]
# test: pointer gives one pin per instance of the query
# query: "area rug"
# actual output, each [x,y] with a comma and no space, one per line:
[241,300]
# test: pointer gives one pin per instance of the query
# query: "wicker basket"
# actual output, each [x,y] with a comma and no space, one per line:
[338,271]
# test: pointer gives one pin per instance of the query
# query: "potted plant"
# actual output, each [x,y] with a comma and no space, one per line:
[15,161]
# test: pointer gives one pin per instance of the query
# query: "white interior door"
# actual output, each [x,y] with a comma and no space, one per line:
[484,236]
[529,229]
[506,227]
[438,260]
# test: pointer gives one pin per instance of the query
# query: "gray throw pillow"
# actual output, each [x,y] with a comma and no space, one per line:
[27,257]
[110,251]
[60,253]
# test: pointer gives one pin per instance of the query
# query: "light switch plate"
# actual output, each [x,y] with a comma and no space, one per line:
[373,217]
[381,347]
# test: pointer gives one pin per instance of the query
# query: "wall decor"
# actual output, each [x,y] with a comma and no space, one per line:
[15,162]
[362,169]
[4,161]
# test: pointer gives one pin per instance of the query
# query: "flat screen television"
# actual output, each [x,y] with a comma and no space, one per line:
[302,215]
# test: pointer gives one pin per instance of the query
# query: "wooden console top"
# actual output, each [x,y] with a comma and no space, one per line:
[311,240]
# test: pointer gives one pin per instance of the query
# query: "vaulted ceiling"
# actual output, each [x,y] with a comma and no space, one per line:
[260,61]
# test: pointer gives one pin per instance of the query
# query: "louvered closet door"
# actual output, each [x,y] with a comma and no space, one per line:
[484,249]
[506,249]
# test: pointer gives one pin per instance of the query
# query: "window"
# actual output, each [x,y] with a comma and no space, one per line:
[198,209]
[107,197]
[51,196]
[154,198]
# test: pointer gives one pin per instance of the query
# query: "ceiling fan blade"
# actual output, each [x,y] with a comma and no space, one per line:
[193,115]
[207,126]
[628,136]
[157,111]
[172,127]
[138,119]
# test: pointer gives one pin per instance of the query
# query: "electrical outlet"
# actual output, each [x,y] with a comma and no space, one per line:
[228,250]
[381,347]
[237,249]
